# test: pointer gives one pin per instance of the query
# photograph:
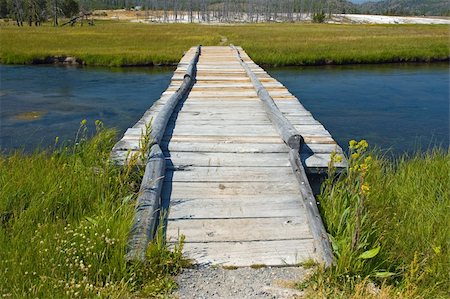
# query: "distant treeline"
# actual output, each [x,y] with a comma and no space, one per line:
[407,7]
[37,11]
[240,11]
[387,7]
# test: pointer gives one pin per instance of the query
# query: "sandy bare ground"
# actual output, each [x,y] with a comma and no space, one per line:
[378,19]
[217,282]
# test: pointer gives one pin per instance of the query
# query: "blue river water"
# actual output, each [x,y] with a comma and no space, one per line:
[397,107]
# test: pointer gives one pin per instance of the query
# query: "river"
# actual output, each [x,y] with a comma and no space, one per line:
[395,107]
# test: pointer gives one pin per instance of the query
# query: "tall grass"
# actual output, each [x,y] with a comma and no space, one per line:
[388,223]
[125,43]
[65,216]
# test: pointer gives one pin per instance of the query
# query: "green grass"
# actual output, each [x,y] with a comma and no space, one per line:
[402,244]
[124,43]
[65,214]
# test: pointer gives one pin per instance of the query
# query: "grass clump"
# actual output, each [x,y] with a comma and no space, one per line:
[388,224]
[124,43]
[65,214]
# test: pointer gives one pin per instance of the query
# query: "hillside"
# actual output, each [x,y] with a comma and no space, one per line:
[406,7]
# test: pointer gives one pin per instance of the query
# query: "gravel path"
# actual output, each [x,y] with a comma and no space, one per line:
[216,282]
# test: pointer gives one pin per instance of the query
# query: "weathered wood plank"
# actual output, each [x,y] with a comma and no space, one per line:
[236,207]
[224,139]
[189,190]
[230,174]
[209,159]
[239,229]
[220,147]
[220,159]
[269,253]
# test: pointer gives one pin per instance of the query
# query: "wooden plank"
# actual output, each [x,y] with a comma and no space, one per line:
[213,120]
[220,147]
[239,229]
[223,147]
[236,207]
[224,139]
[230,102]
[239,130]
[209,159]
[192,190]
[230,174]
[220,159]
[241,254]
[216,78]
[223,130]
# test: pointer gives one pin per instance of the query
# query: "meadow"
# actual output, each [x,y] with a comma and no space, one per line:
[110,43]
[388,224]
[65,215]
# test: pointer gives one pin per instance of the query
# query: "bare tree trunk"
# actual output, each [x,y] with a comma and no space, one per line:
[55,17]
[190,11]
[165,12]
[175,10]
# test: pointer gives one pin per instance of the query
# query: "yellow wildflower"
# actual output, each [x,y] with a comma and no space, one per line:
[364,167]
[355,156]
[352,144]
[363,144]
[83,122]
[355,168]
[365,189]
[368,159]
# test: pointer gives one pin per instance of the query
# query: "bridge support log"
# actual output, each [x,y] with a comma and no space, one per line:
[315,221]
[161,120]
[285,129]
[148,205]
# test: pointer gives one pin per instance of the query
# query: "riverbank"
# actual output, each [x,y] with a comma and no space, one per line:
[112,43]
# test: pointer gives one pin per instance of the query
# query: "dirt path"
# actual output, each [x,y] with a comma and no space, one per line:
[217,282]
[223,41]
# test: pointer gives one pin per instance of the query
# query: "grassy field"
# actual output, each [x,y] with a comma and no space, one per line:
[388,223]
[124,43]
[65,214]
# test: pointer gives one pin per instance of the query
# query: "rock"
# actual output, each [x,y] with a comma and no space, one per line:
[70,60]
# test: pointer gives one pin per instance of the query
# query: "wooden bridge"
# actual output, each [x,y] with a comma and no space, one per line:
[231,146]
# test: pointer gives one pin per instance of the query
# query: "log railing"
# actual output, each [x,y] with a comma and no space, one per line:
[294,140]
[148,203]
